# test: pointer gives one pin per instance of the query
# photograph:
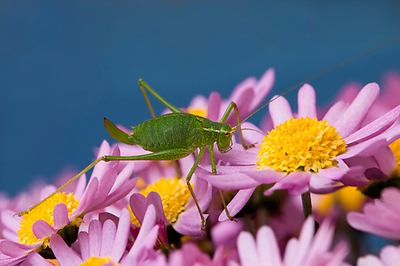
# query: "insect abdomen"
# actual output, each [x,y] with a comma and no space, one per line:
[170,131]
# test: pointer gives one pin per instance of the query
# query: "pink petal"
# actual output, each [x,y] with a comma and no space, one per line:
[138,206]
[225,233]
[189,223]
[237,203]
[230,180]
[104,150]
[352,118]
[355,177]
[254,136]
[369,260]
[374,128]
[242,95]
[296,183]
[267,247]
[243,86]
[365,148]
[60,213]
[153,198]
[203,192]
[238,155]
[392,134]
[94,238]
[80,186]
[305,238]
[83,240]
[335,112]
[263,87]
[386,160]
[357,221]
[390,255]
[322,239]
[123,176]
[117,194]
[64,254]
[86,201]
[307,102]
[13,249]
[186,164]
[391,196]
[106,182]
[35,259]
[42,229]
[280,110]
[13,261]
[107,239]
[121,237]
[198,101]
[10,220]
[266,175]
[242,101]
[326,180]
[213,106]
[247,249]
[144,238]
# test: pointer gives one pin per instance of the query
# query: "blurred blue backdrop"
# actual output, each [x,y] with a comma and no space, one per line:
[64,65]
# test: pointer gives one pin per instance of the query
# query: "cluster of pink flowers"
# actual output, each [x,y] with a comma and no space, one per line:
[316,184]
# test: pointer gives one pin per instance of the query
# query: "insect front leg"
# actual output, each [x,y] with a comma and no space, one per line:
[228,110]
[189,176]
[214,171]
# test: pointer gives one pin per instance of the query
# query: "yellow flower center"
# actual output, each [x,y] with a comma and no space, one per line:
[93,261]
[174,195]
[197,111]
[44,212]
[302,144]
[395,147]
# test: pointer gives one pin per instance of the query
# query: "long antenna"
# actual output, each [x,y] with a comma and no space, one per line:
[322,73]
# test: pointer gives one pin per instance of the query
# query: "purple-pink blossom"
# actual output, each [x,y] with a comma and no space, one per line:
[382,217]
[107,185]
[240,173]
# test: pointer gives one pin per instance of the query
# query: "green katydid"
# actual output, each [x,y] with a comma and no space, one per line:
[179,134]
[170,137]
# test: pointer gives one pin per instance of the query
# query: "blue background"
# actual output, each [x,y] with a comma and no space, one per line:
[64,65]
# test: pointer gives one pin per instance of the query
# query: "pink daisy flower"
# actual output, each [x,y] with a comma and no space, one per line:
[105,243]
[381,218]
[309,249]
[63,213]
[174,205]
[102,243]
[143,247]
[319,167]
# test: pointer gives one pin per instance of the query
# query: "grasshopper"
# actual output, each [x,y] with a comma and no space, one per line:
[178,134]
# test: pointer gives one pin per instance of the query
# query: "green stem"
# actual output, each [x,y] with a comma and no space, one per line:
[306,200]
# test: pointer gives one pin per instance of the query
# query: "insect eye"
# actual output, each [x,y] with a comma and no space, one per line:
[227,133]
